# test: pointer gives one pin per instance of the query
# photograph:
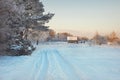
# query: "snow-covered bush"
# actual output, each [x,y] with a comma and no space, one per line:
[98,39]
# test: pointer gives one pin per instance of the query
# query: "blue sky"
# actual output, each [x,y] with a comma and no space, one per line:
[84,15]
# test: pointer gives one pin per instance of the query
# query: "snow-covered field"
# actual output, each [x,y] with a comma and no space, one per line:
[62,61]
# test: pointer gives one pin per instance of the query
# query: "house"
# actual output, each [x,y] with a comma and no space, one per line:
[72,39]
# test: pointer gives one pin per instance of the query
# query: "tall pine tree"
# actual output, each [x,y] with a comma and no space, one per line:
[16,17]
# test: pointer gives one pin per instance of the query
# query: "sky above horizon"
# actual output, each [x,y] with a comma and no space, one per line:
[84,15]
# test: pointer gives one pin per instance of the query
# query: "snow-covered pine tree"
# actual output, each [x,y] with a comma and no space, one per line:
[16,17]
[36,18]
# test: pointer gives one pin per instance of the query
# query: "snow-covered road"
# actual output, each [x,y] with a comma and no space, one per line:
[62,61]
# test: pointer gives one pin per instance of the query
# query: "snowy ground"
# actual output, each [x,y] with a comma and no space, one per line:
[62,61]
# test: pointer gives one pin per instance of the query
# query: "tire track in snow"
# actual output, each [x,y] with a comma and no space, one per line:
[37,60]
[41,73]
[54,71]
[65,66]
[51,69]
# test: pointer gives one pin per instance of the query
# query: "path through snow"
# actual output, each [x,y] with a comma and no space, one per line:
[62,61]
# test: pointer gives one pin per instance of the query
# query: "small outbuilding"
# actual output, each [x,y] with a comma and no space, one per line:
[72,39]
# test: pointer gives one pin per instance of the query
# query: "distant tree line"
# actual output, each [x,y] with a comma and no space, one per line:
[111,39]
